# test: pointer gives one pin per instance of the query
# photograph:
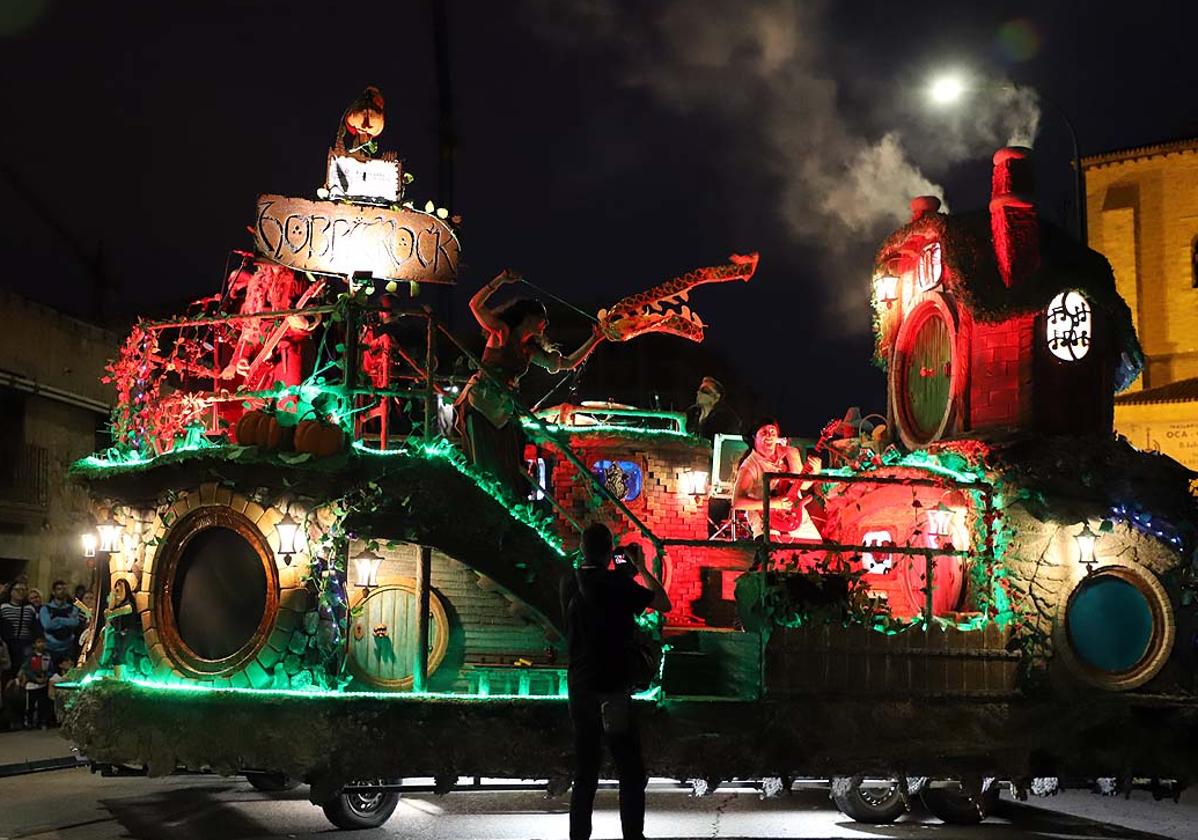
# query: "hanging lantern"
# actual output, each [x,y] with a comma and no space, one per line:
[89,543]
[287,531]
[110,535]
[366,566]
[1086,540]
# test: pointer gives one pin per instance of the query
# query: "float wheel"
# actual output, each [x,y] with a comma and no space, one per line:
[350,809]
[956,807]
[868,800]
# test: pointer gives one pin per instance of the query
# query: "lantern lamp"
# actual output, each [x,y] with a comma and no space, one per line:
[886,288]
[287,531]
[89,543]
[366,566]
[694,482]
[1086,540]
[940,520]
[110,535]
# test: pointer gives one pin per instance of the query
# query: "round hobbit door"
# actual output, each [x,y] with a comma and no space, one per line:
[921,376]
[1119,628]
[219,592]
[384,632]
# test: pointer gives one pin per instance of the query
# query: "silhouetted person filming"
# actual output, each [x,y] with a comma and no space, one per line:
[600,604]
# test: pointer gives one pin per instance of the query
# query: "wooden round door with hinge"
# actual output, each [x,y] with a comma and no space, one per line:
[923,373]
[382,643]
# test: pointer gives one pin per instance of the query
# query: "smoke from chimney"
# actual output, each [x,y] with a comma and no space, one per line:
[761,66]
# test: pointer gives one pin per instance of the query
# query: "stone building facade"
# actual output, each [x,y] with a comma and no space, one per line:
[53,411]
[1143,216]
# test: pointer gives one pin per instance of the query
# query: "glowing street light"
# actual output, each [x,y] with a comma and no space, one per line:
[89,544]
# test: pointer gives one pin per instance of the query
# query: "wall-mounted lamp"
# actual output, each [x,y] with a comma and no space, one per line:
[110,535]
[886,288]
[940,521]
[89,543]
[694,482]
[1086,540]
[287,531]
[366,567]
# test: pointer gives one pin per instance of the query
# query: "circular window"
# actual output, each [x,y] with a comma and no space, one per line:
[1067,326]
[219,591]
[921,378]
[1118,628]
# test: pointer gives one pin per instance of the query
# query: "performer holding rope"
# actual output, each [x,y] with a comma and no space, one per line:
[515,340]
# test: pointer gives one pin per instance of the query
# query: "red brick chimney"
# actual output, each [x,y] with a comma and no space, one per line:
[1013,223]
[922,205]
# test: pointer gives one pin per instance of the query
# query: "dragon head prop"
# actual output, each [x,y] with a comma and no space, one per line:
[664,308]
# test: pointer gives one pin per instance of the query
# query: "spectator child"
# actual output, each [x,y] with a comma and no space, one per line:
[36,677]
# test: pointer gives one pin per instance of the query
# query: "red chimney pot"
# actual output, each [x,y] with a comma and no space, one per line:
[922,205]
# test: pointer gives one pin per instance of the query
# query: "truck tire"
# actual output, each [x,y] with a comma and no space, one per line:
[271,782]
[955,807]
[351,810]
[874,801]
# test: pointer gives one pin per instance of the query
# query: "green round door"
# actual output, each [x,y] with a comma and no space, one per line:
[928,376]
[383,636]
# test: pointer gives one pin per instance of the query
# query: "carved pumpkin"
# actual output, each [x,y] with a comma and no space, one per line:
[364,117]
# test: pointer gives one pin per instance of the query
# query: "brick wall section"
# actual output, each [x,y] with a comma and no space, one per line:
[663,507]
[1000,388]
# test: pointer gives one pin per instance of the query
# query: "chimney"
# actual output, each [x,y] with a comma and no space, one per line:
[1013,222]
[922,205]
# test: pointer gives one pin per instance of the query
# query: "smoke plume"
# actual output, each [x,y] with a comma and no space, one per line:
[761,66]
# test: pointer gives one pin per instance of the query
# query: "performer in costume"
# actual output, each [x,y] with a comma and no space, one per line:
[516,339]
[768,455]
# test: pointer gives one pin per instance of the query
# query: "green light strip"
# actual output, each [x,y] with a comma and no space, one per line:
[650,695]
[444,450]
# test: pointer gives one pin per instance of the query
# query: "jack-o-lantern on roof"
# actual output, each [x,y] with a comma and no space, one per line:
[995,322]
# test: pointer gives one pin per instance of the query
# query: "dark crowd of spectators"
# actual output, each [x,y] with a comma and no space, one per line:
[39,643]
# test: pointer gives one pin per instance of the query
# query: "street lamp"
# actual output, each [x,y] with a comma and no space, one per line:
[950,88]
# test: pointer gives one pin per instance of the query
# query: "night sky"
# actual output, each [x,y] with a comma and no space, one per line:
[602,147]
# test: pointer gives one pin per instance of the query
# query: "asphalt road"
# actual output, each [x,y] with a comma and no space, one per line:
[75,805]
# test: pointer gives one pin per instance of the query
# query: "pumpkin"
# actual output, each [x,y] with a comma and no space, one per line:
[305,430]
[318,438]
[364,117]
[257,428]
[248,431]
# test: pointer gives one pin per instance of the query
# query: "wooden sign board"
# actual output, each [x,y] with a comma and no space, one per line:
[349,177]
[332,238]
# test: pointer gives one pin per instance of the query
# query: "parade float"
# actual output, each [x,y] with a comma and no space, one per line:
[301,578]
